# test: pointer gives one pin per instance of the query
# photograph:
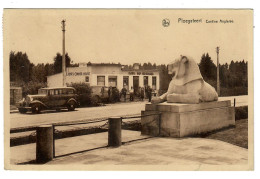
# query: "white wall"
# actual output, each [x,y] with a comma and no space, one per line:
[120,84]
[131,82]
[75,79]
[55,80]
[80,75]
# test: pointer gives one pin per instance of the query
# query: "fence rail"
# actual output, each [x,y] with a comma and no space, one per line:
[45,143]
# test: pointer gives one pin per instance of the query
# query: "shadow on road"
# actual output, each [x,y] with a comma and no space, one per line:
[48,112]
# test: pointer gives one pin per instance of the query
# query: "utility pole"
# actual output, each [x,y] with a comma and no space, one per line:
[218,85]
[63,54]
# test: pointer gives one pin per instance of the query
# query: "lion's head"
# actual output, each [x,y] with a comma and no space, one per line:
[184,69]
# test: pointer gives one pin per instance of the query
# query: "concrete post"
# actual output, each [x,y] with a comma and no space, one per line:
[44,143]
[218,83]
[114,132]
[63,53]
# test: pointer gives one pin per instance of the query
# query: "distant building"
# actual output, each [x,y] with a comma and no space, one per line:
[15,94]
[104,74]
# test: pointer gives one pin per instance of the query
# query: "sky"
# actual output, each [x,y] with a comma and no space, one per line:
[128,36]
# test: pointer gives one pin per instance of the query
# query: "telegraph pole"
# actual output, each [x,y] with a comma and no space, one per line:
[218,85]
[63,54]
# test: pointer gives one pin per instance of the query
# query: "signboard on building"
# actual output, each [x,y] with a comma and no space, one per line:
[78,73]
[140,73]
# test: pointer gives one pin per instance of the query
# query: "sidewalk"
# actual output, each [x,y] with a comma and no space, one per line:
[152,151]
[26,153]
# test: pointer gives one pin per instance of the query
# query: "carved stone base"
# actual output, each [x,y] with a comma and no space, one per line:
[180,120]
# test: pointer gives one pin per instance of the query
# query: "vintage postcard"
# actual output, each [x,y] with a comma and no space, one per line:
[128,89]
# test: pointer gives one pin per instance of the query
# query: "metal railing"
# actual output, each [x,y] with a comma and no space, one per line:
[45,142]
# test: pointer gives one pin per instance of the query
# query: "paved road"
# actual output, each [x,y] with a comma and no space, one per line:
[118,109]
[47,117]
[240,100]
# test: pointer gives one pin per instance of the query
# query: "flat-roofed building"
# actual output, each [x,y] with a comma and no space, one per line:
[107,74]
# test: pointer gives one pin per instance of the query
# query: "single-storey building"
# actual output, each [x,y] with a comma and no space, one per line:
[106,74]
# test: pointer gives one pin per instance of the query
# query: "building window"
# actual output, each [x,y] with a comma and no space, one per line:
[56,92]
[112,81]
[154,83]
[87,79]
[101,80]
[145,80]
[51,92]
[126,82]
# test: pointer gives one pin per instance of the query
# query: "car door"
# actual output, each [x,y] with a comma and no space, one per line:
[53,98]
[49,99]
[60,97]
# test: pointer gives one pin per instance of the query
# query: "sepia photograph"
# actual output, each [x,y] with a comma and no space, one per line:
[128,89]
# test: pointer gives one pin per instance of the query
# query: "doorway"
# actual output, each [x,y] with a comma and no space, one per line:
[136,84]
[126,82]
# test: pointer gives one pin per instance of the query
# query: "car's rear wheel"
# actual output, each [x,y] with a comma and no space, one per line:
[22,111]
[36,108]
[71,106]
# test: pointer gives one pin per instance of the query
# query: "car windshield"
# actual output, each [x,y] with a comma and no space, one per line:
[42,91]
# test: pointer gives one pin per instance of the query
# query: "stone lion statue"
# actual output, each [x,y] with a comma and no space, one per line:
[187,84]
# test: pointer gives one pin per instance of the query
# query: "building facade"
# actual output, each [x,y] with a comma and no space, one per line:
[115,75]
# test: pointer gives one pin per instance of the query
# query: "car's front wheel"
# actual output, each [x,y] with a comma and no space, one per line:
[71,106]
[36,108]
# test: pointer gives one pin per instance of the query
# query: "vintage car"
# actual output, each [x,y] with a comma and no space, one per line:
[49,98]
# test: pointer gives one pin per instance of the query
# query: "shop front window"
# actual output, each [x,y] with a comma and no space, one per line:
[112,81]
[101,80]
[87,79]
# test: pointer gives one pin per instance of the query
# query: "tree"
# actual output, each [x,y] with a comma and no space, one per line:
[165,78]
[145,66]
[48,70]
[224,75]
[154,66]
[149,66]
[38,73]
[20,67]
[58,62]
[207,68]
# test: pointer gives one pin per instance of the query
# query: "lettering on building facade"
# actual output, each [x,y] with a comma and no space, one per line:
[78,73]
[140,73]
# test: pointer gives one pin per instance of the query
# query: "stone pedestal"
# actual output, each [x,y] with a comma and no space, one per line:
[180,120]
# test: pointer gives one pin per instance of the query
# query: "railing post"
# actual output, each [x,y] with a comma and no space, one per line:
[44,143]
[53,128]
[114,132]
[160,123]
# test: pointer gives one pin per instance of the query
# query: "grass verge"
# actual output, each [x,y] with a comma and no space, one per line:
[237,135]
